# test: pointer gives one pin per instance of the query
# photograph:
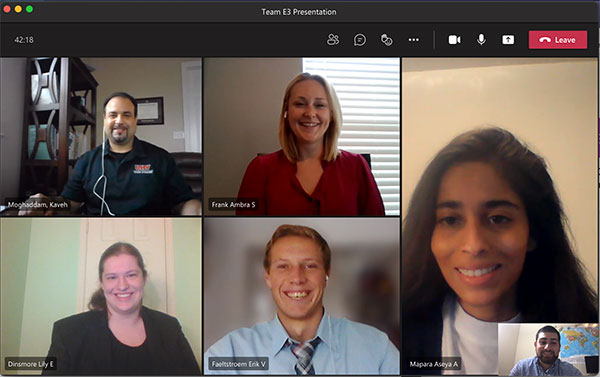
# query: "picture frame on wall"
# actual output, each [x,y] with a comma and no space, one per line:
[150,111]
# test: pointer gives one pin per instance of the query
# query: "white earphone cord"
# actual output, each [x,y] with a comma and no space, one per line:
[104,203]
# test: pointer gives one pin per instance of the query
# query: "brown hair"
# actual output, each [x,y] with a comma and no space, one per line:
[299,231]
[98,301]
[287,139]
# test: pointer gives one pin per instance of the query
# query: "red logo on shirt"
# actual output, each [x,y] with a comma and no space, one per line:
[143,169]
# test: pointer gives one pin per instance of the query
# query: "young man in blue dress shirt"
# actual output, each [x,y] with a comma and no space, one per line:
[546,361]
[297,264]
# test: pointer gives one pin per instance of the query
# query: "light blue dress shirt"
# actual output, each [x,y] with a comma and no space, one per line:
[347,348]
[531,367]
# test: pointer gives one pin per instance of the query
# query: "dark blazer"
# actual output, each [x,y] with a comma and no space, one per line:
[81,344]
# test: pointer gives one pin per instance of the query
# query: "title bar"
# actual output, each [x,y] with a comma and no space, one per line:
[306,11]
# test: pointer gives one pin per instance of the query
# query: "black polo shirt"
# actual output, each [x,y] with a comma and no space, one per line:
[145,181]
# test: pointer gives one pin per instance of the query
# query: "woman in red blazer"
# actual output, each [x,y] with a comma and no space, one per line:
[310,175]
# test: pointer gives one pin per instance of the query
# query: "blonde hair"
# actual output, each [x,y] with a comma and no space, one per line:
[287,139]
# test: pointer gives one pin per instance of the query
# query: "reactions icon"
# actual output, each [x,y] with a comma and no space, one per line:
[386,40]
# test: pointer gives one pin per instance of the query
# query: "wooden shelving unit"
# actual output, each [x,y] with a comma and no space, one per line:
[60,99]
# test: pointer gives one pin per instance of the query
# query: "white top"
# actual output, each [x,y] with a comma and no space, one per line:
[475,341]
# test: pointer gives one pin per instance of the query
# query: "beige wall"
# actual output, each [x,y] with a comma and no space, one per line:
[12,98]
[142,78]
[515,343]
[242,102]
[551,104]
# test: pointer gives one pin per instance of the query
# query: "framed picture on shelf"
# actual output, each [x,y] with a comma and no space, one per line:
[150,111]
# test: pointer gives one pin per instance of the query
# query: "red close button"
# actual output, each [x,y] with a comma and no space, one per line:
[557,39]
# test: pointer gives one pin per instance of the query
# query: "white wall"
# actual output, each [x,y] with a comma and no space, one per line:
[508,336]
[242,102]
[551,104]
[142,78]
[12,102]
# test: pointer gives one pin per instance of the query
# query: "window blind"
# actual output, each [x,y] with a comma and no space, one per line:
[369,94]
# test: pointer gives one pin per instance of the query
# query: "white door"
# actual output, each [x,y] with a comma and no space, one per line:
[151,236]
[191,78]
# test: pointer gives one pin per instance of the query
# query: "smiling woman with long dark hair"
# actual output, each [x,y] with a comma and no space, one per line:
[485,241]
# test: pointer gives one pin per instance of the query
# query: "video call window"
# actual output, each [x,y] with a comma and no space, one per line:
[63,301]
[576,344]
[61,111]
[363,182]
[299,188]
[245,301]
[474,251]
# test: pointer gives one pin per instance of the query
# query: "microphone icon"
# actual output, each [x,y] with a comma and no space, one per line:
[481,39]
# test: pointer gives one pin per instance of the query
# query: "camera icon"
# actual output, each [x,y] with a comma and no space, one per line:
[453,39]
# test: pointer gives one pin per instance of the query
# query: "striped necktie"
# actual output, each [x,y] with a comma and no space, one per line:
[304,352]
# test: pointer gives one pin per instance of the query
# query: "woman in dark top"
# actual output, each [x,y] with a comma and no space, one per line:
[119,336]
[485,229]
[310,175]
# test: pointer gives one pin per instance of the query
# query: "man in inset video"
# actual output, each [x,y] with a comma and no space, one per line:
[546,361]
[302,339]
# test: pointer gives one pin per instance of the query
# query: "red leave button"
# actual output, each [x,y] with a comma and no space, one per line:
[557,39]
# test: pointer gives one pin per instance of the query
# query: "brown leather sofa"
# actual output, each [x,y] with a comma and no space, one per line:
[190,165]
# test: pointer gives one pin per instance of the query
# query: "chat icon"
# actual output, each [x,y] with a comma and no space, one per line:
[360,40]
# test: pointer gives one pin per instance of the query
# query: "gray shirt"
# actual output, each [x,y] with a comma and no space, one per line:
[531,367]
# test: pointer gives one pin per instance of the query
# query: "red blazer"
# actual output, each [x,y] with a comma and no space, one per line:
[346,188]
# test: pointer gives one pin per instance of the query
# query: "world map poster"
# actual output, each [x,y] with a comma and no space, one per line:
[577,341]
